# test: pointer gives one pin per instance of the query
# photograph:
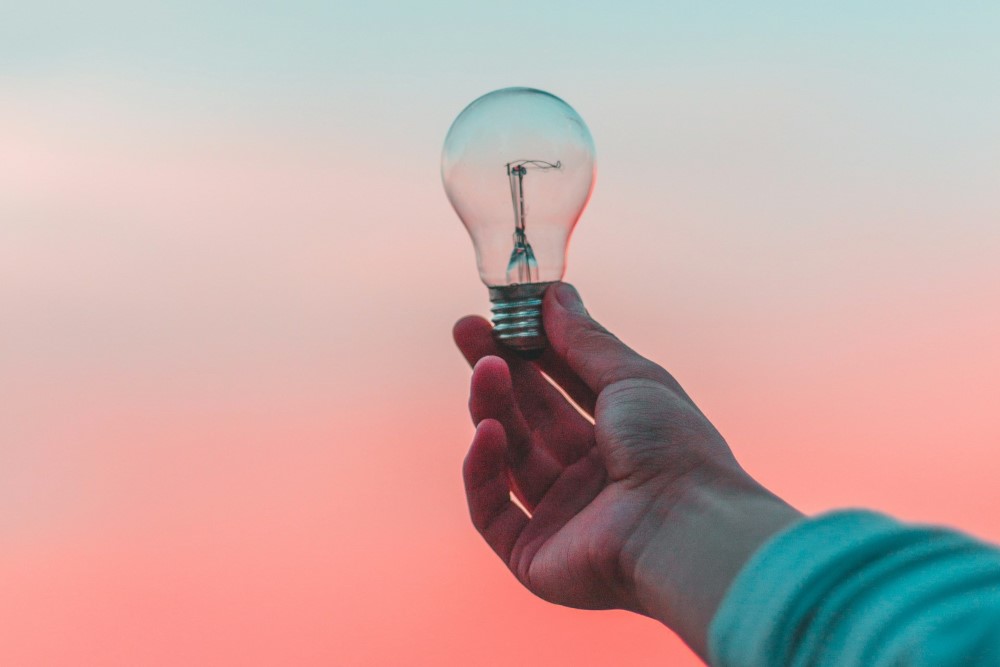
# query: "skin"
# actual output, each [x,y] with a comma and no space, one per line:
[636,501]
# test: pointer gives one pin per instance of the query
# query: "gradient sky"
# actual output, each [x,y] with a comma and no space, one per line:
[231,417]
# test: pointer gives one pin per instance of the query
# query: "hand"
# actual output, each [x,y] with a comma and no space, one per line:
[601,492]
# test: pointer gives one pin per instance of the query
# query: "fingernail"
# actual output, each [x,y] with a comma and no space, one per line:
[569,298]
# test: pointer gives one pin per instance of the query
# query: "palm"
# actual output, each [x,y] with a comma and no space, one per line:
[578,481]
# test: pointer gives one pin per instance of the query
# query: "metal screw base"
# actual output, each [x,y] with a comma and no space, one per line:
[517,317]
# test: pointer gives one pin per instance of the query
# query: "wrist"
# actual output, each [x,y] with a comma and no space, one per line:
[695,539]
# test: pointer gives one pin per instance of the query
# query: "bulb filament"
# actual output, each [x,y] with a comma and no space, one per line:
[523,268]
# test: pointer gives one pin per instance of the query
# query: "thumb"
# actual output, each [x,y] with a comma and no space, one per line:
[590,350]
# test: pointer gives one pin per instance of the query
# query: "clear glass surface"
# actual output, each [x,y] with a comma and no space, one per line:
[518,167]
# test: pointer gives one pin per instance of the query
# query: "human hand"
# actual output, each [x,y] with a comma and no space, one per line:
[603,494]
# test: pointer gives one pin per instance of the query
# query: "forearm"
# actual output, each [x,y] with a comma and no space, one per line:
[698,543]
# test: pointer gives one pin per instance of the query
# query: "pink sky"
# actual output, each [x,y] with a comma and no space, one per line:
[231,415]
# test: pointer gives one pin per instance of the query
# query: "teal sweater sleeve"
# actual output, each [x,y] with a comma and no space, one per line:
[859,588]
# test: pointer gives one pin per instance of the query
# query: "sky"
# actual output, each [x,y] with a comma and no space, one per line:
[232,420]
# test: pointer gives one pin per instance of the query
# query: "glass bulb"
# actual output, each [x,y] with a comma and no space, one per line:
[518,167]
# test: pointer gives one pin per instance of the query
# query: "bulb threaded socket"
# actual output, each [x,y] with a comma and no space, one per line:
[517,317]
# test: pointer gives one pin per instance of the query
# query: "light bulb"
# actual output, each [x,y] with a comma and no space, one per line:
[518,167]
